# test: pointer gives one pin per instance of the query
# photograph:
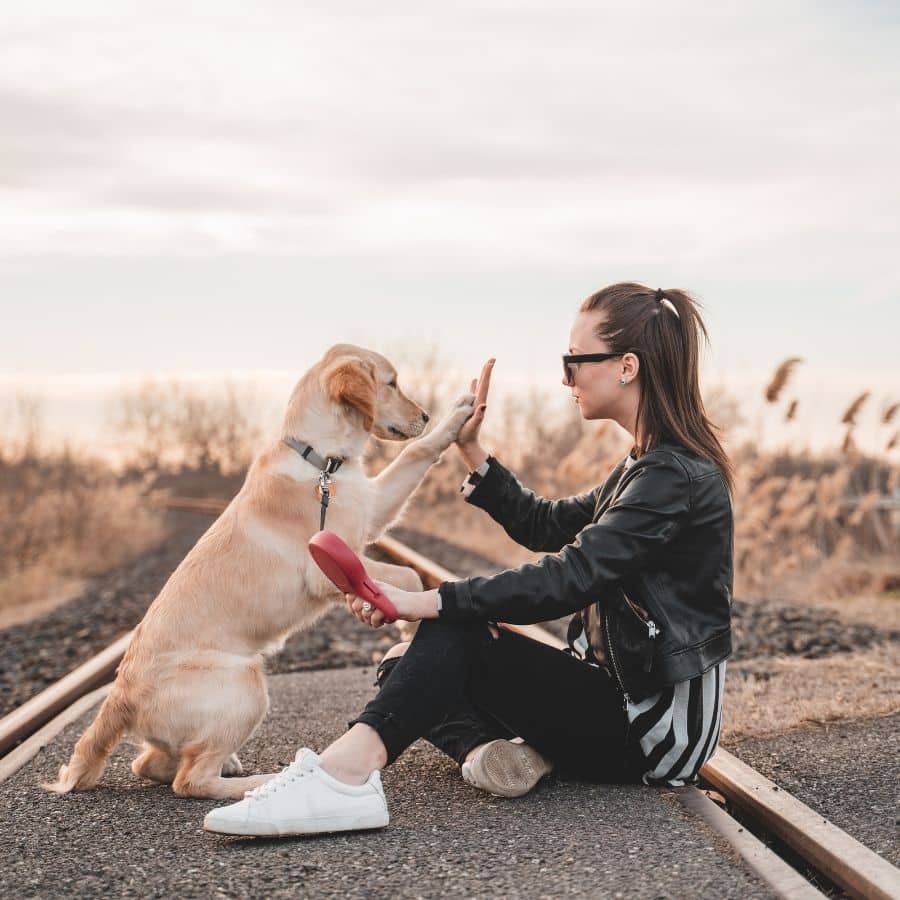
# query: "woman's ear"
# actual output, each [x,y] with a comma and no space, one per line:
[350,381]
[631,365]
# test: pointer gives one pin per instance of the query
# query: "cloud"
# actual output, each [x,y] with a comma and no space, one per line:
[746,150]
[453,123]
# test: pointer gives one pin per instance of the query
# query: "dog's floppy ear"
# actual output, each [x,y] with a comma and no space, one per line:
[350,380]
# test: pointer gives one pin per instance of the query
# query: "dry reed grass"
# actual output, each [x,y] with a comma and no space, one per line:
[813,524]
[852,411]
[889,412]
[780,378]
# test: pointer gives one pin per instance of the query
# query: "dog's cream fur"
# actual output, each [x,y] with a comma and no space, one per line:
[191,686]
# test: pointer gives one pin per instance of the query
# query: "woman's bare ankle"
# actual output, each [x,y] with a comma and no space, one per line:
[354,755]
[344,774]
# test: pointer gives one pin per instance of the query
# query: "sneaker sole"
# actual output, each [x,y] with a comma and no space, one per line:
[324,825]
[505,769]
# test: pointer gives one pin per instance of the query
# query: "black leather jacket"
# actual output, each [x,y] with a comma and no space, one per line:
[646,558]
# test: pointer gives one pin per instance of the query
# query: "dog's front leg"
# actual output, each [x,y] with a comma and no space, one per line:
[395,485]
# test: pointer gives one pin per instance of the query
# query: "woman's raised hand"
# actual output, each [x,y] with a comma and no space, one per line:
[467,439]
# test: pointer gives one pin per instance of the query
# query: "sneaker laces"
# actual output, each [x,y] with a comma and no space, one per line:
[294,772]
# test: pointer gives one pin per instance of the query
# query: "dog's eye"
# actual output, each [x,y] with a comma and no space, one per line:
[393,383]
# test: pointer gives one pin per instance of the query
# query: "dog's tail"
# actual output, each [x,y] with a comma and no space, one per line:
[89,757]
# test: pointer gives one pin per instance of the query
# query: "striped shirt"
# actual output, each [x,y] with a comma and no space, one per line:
[677,728]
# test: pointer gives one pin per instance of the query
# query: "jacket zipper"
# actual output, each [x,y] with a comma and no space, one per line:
[612,658]
[652,629]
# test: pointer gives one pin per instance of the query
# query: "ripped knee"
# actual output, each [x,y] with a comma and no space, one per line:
[494,630]
[396,650]
[388,661]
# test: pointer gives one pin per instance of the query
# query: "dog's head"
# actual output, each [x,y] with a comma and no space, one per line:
[364,384]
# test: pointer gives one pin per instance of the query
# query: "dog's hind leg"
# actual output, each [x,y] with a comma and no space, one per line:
[233,702]
[155,764]
[200,775]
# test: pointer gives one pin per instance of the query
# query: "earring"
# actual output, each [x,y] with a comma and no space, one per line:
[622,382]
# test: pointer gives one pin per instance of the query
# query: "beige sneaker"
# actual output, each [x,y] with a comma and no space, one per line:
[506,768]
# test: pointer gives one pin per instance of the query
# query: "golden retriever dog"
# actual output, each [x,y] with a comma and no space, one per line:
[191,686]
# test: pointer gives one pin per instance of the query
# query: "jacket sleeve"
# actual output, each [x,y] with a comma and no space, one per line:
[652,505]
[532,521]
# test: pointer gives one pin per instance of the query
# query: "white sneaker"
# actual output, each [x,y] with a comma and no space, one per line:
[303,799]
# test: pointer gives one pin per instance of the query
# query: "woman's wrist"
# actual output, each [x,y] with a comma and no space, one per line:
[429,604]
[473,455]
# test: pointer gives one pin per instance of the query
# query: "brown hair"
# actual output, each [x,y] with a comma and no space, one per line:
[664,330]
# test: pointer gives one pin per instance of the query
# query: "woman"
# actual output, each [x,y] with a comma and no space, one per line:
[643,560]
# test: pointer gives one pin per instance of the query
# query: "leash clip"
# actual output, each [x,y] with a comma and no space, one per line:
[323,492]
[324,488]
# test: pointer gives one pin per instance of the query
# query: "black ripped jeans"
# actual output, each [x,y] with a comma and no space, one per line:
[458,686]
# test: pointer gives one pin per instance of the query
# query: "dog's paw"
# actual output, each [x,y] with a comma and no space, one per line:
[447,430]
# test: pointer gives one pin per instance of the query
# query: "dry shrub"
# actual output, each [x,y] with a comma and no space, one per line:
[169,424]
[62,519]
[70,535]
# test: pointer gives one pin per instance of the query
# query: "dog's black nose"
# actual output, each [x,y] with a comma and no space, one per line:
[425,417]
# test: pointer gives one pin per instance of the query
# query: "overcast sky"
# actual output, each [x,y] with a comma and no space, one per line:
[215,187]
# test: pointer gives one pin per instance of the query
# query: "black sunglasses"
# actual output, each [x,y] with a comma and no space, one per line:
[571,361]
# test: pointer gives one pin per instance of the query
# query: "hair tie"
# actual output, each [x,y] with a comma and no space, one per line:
[663,300]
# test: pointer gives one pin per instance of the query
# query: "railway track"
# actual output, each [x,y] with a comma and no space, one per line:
[735,800]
